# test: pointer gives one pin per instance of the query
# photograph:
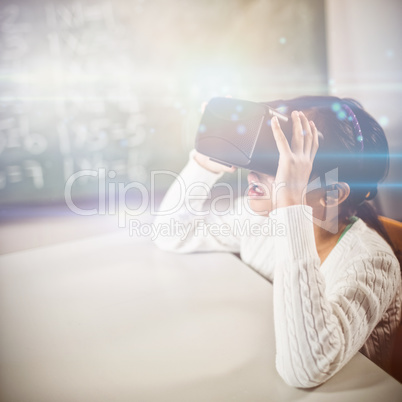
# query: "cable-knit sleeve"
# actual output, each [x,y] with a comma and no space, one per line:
[318,329]
[184,224]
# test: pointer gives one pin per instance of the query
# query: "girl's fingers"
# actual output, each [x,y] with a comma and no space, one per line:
[280,138]
[315,144]
[304,139]
[307,134]
[297,137]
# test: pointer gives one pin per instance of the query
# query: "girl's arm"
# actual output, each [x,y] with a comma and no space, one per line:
[319,329]
[184,221]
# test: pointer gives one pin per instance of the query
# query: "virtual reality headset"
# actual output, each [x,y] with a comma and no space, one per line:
[238,133]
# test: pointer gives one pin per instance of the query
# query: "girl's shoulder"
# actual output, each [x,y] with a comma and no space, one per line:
[362,245]
[362,259]
[368,241]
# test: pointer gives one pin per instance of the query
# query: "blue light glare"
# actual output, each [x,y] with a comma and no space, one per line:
[202,128]
[341,115]
[390,53]
[336,107]
[384,121]
[353,155]
[379,185]
[282,109]
[234,117]
[241,129]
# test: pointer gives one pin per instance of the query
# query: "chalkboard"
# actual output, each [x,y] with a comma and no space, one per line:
[118,85]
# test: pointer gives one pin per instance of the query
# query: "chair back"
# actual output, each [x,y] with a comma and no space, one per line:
[394,230]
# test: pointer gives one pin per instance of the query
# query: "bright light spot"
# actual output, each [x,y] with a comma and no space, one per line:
[226,90]
[195,90]
[234,117]
[202,128]
[336,107]
[241,129]
[384,121]
[390,53]
[282,40]
[282,109]
[341,115]
[359,138]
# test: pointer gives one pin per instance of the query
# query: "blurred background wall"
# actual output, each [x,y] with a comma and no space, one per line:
[118,85]
[364,42]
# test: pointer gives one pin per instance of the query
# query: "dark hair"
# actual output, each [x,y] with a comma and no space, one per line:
[364,155]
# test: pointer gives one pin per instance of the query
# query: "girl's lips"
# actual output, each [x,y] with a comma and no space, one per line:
[255,192]
[256,188]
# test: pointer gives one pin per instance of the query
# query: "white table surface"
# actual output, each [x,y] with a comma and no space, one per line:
[112,318]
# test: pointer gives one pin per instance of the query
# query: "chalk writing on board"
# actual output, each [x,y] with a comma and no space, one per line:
[117,84]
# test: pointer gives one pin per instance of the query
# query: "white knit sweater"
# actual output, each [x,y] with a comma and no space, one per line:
[323,313]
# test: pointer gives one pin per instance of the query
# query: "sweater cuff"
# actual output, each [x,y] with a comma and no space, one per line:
[198,173]
[297,242]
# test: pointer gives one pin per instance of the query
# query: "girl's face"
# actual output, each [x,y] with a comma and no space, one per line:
[262,190]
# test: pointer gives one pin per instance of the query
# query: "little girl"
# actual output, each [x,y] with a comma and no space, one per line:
[336,279]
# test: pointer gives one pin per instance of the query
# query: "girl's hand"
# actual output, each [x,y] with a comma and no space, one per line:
[212,166]
[295,161]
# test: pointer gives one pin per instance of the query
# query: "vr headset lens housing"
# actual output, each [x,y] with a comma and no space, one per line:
[238,133]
